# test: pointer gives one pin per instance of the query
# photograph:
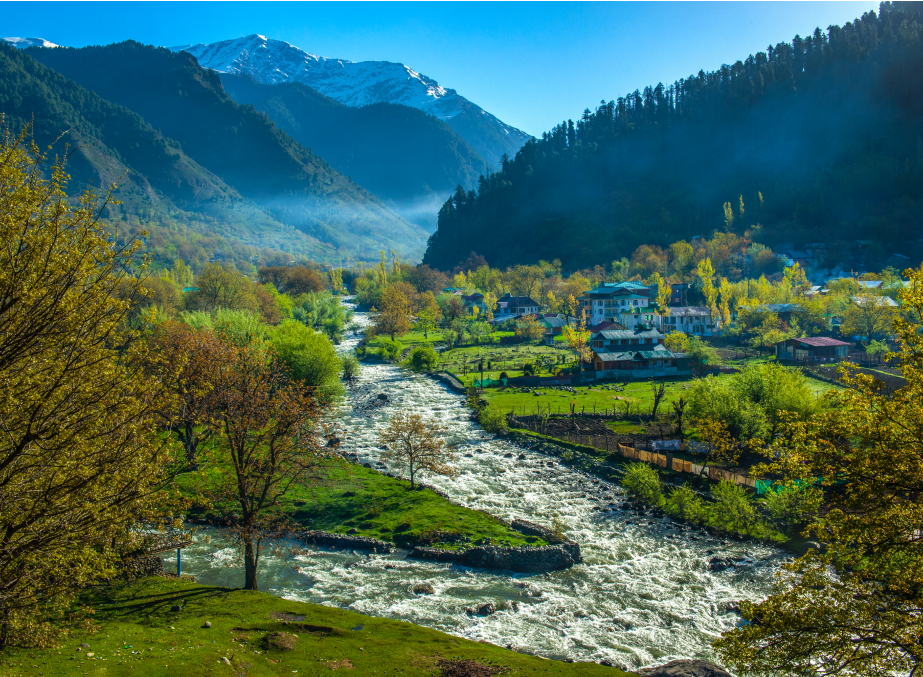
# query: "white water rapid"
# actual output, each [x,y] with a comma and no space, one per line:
[642,596]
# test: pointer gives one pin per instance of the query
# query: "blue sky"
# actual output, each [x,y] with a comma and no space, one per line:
[530,64]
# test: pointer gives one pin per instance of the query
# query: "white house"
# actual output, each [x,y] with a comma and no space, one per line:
[692,320]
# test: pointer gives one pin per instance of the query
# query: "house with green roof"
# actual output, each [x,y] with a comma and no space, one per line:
[635,353]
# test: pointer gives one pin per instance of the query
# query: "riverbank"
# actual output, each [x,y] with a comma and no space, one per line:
[612,467]
[256,634]
[351,499]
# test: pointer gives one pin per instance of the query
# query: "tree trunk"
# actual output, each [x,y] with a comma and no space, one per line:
[191,442]
[249,565]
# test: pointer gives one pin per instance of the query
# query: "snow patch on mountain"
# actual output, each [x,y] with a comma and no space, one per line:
[22,43]
[353,83]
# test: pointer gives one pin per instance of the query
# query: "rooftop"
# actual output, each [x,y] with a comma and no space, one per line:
[821,341]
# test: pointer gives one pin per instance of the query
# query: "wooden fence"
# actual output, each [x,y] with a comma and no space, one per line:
[679,465]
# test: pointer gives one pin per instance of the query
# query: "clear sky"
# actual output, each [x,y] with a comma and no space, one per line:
[532,64]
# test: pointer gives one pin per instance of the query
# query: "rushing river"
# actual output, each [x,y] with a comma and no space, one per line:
[642,596]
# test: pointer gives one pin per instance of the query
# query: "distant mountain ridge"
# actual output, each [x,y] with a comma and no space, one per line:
[409,159]
[240,145]
[271,61]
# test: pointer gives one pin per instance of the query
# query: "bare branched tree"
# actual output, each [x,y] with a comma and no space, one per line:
[417,444]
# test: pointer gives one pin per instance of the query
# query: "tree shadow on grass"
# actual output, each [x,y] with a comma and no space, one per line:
[146,605]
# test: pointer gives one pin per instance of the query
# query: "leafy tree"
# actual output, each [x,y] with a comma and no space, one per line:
[323,312]
[418,444]
[870,317]
[393,315]
[310,357]
[734,508]
[642,482]
[80,461]
[351,368]
[219,286]
[700,354]
[685,504]
[492,419]
[528,328]
[423,358]
[390,350]
[428,313]
[864,452]
[270,429]
[186,361]
[577,339]
[676,342]
[706,273]
[877,348]
[792,507]
[663,294]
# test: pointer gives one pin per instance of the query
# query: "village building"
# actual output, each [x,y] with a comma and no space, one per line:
[630,304]
[634,353]
[473,301]
[510,307]
[817,350]
[553,325]
[691,320]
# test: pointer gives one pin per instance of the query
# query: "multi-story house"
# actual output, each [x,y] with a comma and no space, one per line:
[634,353]
[630,304]
[692,320]
[514,306]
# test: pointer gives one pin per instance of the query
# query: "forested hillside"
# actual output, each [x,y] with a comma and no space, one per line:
[239,144]
[408,158]
[188,211]
[816,139]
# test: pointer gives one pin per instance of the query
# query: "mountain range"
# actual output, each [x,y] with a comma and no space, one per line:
[361,83]
[408,158]
[316,210]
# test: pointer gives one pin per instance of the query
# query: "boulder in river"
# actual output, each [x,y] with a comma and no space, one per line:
[720,564]
[423,589]
[685,668]
[487,609]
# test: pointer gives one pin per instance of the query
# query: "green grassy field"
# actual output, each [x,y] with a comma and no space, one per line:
[465,362]
[139,635]
[598,398]
[412,338]
[353,497]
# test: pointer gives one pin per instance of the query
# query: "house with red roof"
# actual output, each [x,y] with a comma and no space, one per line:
[817,350]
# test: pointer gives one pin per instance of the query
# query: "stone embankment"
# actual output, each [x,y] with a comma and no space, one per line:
[523,559]
[348,541]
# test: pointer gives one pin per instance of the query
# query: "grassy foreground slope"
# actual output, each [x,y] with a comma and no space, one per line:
[139,635]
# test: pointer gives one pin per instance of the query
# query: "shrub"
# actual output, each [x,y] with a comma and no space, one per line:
[388,349]
[792,507]
[503,375]
[642,482]
[492,419]
[350,368]
[423,358]
[733,508]
[528,369]
[684,503]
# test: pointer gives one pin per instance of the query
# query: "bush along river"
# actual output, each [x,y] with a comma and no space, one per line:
[643,594]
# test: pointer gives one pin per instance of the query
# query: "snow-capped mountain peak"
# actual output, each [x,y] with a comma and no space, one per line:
[353,83]
[361,83]
[22,43]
